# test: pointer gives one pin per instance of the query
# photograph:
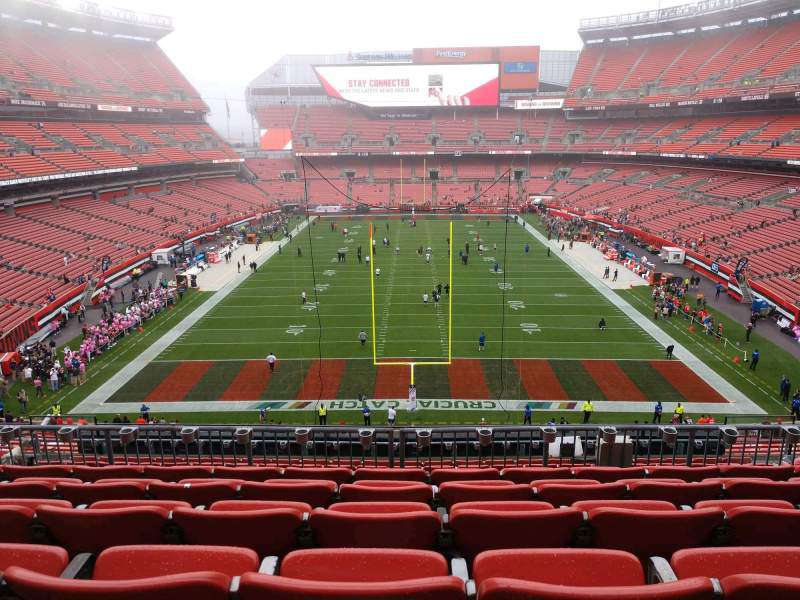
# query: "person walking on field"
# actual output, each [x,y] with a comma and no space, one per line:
[527,415]
[657,412]
[616,274]
[392,416]
[754,358]
[366,412]
[481,342]
[303,297]
[588,409]
[362,337]
[785,387]
[271,360]
[602,324]
[322,413]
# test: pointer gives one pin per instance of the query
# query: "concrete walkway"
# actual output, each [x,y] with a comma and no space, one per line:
[94,402]
[739,403]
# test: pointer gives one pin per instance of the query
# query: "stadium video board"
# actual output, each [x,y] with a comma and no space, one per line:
[408,85]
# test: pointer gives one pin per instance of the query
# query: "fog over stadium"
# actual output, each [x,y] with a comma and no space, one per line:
[221,49]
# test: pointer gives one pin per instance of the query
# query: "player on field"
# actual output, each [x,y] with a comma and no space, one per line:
[303,297]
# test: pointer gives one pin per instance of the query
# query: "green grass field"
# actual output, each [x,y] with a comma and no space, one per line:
[540,319]
[545,327]
[561,310]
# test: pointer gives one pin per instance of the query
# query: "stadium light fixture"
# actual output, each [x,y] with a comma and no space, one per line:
[791,434]
[485,435]
[424,438]
[9,433]
[669,435]
[549,434]
[301,435]
[243,435]
[366,436]
[66,434]
[608,434]
[728,434]
[189,435]
[128,435]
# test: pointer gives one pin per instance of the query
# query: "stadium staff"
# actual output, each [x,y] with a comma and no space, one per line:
[588,409]
[322,412]
[679,410]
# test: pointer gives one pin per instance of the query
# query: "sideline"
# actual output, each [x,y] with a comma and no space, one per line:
[738,402]
[95,402]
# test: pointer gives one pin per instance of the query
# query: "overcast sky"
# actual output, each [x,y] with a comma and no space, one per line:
[221,47]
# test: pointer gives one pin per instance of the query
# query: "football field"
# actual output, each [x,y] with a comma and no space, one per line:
[539,317]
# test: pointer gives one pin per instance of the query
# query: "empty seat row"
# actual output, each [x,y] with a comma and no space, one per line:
[269,527]
[220,572]
[315,492]
[435,475]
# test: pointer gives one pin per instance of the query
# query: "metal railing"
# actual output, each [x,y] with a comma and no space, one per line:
[567,445]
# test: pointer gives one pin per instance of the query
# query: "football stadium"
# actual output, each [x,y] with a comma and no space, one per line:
[458,322]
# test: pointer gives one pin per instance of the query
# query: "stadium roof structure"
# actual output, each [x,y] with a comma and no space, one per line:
[91,16]
[695,15]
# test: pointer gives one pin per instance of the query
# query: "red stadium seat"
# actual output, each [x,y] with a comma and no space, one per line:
[368,565]
[375,490]
[176,473]
[207,585]
[233,505]
[93,530]
[609,474]
[259,587]
[267,532]
[135,562]
[15,524]
[166,504]
[723,562]
[776,473]
[195,494]
[404,474]
[34,502]
[504,506]
[247,473]
[564,495]
[380,507]
[529,474]
[752,526]
[338,474]
[746,489]
[109,472]
[82,493]
[573,574]
[27,490]
[439,476]
[403,529]
[689,474]
[48,560]
[759,587]
[731,504]
[452,492]
[679,494]
[315,493]
[477,530]
[51,481]
[13,472]
[587,505]
[560,566]
[648,533]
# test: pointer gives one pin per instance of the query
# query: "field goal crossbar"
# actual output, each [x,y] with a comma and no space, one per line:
[411,363]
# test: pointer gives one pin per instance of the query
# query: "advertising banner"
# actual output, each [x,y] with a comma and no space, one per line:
[404,85]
